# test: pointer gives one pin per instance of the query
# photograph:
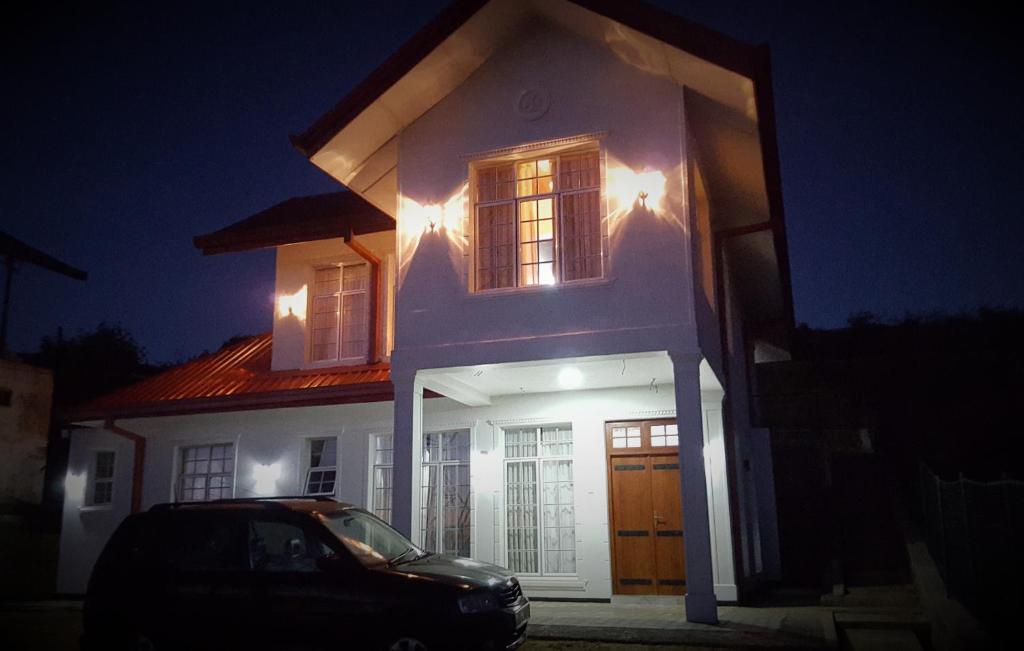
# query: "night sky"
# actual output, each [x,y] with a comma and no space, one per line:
[128,129]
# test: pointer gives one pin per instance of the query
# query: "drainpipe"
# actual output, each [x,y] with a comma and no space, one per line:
[375,307]
[139,460]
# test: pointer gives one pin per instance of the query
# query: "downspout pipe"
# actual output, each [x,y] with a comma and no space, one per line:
[139,460]
[375,351]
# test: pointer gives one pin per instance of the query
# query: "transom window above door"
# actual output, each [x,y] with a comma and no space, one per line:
[538,221]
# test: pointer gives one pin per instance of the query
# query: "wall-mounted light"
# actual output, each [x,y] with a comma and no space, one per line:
[74,486]
[643,198]
[570,377]
[266,476]
[292,304]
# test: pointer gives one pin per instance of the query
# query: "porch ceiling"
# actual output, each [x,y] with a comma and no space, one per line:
[476,385]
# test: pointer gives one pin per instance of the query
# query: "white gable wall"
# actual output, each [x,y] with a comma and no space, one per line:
[645,302]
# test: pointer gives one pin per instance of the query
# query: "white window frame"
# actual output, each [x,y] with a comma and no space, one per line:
[441,464]
[340,295]
[538,460]
[180,474]
[556,194]
[371,502]
[93,480]
[307,460]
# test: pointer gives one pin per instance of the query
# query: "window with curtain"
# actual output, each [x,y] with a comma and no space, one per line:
[540,513]
[382,453]
[445,496]
[322,466]
[538,221]
[340,326]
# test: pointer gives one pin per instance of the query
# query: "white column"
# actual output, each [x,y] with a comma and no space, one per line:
[701,606]
[718,496]
[408,437]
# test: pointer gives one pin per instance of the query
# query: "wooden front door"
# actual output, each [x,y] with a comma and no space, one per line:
[646,515]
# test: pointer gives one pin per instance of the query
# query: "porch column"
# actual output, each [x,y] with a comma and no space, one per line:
[408,434]
[701,606]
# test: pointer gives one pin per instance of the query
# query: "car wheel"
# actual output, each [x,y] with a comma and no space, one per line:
[144,643]
[407,644]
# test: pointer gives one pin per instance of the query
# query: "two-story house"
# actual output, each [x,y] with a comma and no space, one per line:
[525,333]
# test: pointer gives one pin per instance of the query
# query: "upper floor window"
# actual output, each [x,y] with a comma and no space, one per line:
[340,328]
[538,221]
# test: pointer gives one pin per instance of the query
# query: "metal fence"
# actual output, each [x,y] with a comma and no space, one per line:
[975,532]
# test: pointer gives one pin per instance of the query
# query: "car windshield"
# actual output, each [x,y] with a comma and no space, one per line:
[369,538]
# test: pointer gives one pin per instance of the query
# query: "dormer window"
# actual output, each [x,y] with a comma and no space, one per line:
[538,221]
[340,325]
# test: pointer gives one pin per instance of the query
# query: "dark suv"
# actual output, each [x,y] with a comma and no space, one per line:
[291,573]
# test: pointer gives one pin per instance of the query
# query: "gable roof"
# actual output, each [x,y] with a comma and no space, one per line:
[355,140]
[299,219]
[239,377]
[667,27]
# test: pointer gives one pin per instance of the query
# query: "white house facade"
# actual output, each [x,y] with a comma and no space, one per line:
[526,330]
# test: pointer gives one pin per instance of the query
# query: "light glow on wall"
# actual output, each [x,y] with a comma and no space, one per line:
[570,377]
[74,486]
[436,218]
[266,476]
[629,189]
[293,304]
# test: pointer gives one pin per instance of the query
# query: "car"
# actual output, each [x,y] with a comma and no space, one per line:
[291,573]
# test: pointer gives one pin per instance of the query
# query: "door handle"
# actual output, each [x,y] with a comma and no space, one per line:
[658,520]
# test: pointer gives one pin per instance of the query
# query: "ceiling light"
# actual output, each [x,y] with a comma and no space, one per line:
[570,377]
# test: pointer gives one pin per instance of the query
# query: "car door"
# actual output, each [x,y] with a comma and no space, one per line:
[297,582]
[203,562]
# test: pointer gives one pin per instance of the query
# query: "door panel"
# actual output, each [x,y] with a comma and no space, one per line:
[632,526]
[668,524]
[646,517]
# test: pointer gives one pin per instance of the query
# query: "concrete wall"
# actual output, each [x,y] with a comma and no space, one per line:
[278,437]
[24,429]
[645,301]
[85,529]
[294,289]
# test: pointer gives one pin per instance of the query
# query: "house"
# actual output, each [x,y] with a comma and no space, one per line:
[526,331]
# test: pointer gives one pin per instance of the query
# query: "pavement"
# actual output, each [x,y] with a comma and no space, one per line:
[572,626]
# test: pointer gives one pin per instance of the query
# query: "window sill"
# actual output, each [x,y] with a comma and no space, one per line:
[552,583]
[96,507]
[539,289]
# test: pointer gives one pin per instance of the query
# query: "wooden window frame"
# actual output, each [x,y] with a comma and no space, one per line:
[556,195]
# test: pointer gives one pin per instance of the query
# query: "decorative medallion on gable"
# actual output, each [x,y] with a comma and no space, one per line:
[533,103]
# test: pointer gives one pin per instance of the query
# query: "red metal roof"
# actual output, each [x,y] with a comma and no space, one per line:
[238,377]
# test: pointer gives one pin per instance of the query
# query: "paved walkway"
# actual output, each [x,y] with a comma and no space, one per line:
[797,627]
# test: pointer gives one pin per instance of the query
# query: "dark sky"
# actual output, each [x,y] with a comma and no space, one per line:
[129,128]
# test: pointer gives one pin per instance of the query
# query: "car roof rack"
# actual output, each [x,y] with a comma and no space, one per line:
[269,501]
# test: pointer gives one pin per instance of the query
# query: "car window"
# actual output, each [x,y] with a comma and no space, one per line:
[279,546]
[194,541]
[370,539]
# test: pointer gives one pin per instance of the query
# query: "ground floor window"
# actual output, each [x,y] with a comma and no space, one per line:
[206,472]
[322,466]
[382,453]
[100,490]
[445,493]
[540,513]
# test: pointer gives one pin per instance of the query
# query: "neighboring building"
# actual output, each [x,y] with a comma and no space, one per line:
[26,392]
[526,332]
